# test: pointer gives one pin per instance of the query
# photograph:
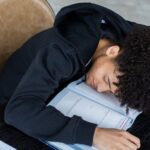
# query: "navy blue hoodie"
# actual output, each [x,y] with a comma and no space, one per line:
[48,62]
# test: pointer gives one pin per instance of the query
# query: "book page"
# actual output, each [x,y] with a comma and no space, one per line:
[108,100]
[70,103]
[62,146]
[4,146]
[73,104]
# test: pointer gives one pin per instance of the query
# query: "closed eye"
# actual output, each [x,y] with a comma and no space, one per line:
[107,81]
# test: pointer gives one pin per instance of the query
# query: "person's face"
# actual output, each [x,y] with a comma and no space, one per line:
[103,73]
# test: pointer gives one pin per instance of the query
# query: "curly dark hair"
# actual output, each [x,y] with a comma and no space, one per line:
[134,63]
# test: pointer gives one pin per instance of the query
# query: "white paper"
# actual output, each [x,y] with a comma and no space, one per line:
[106,99]
[73,104]
[4,146]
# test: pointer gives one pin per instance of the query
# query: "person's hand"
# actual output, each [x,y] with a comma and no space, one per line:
[114,139]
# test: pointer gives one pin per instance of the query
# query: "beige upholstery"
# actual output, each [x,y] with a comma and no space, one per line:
[19,20]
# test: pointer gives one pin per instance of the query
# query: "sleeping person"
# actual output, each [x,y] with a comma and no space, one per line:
[119,54]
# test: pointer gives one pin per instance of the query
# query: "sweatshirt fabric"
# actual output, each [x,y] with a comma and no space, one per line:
[48,62]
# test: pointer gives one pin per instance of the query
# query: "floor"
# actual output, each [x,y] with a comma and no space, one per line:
[133,10]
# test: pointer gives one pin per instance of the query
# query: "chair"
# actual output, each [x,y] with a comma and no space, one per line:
[19,20]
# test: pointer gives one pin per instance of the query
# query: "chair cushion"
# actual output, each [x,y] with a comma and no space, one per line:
[19,20]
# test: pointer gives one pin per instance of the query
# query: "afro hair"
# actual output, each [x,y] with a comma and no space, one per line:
[134,64]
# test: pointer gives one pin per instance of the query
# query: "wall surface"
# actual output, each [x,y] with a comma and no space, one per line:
[134,10]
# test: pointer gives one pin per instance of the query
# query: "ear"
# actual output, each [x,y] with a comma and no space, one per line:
[113,51]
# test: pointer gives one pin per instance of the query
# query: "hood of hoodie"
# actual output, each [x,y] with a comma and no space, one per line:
[83,24]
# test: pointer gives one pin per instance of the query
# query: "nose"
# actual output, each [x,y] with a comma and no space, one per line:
[115,91]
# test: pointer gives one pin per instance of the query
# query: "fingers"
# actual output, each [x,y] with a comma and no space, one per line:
[133,139]
[124,147]
[128,144]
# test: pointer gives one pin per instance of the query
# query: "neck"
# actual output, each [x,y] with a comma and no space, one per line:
[100,50]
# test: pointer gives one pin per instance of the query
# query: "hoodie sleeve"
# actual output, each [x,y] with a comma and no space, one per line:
[27,109]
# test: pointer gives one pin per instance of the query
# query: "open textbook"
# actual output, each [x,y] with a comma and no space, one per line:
[99,108]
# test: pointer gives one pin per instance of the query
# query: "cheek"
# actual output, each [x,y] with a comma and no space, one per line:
[94,74]
[99,74]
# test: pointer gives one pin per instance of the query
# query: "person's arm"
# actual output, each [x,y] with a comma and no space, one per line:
[27,108]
